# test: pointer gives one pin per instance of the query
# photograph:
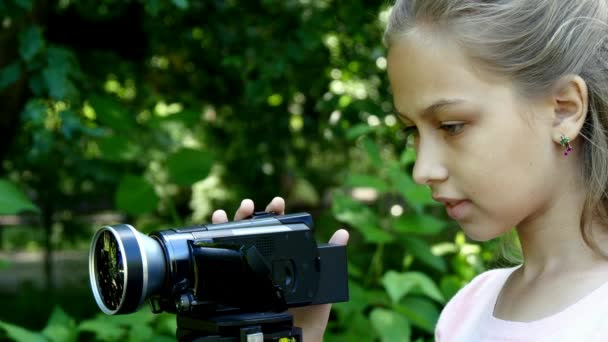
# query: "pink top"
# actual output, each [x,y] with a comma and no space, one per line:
[469,317]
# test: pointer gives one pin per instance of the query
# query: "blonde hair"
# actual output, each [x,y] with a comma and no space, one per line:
[535,43]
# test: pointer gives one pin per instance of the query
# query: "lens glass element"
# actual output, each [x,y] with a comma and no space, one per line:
[110,270]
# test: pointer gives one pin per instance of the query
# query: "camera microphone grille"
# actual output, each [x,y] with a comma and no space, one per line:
[265,245]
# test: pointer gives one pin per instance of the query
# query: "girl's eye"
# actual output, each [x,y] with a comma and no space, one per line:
[452,128]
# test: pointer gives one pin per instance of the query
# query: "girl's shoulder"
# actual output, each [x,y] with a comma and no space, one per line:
[485,284]
[474,299]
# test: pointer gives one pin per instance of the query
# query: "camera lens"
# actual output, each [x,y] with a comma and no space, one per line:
[110,270]
[125,268]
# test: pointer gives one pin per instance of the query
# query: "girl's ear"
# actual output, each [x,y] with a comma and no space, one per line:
[570,101]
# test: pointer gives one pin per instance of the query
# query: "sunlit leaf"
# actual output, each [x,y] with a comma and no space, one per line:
[13,200]
[135,196]
[360,217]
[141,333]
[422,251]
[400,284]
[60,327]
[408,156]
[391,326]
[18,334]
[360,180]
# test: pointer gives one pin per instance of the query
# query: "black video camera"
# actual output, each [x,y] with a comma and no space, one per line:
[228,279]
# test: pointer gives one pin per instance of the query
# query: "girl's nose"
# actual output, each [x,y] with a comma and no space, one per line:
[428,168]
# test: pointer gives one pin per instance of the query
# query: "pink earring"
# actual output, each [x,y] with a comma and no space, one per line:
[564,141]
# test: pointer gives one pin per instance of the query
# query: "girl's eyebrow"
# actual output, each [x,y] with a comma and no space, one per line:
[433,108]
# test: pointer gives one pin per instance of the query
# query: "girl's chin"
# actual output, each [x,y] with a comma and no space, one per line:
[477,233]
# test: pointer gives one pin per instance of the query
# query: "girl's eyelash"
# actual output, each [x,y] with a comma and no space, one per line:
[453,128]
[450,128]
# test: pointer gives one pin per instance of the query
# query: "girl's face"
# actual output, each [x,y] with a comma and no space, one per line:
[475,140]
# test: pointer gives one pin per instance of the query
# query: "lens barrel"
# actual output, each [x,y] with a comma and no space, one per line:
[125,268]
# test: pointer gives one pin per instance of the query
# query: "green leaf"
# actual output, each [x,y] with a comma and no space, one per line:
[139,317]
[359,328]
[400,284]
[19,334]
[34,112]
[188,166]
[14,201]
[373,152]
[420,224]
[115,148]
[141,333]
[360,217]
[360,180]
[417,196]
[31,42]
[4,264]
[359,300]
[135,196]
[449,285]
[421,312]
[57,82]
[165,324]
[422,251]
[60,327]
[10,74]
[37,84]
[181,4]
[408,156]
[103,329]
[391,326]
[112,114]
[24,4]
[358,130]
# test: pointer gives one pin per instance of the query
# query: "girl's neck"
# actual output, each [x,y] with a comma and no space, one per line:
[552,241]
[556,245]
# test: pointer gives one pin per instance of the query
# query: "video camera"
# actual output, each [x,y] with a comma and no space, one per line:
[230,281]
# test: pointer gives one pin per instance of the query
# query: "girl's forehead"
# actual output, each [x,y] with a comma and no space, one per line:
[423,70]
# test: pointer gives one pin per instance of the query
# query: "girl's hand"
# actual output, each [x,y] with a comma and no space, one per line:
[312,319]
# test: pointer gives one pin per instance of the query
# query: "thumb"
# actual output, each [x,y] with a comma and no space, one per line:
[340,237]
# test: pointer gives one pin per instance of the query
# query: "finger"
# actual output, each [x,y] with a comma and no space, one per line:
[277,205]
[219,216]
[340,237]
[246,209]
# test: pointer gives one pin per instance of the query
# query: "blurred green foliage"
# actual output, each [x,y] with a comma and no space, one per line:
[165,110]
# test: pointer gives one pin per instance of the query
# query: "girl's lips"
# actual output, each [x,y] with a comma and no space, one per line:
[458,210]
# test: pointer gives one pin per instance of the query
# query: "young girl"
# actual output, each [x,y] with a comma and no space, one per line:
[507,101]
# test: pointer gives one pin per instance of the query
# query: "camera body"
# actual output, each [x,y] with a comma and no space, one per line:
[265,263]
